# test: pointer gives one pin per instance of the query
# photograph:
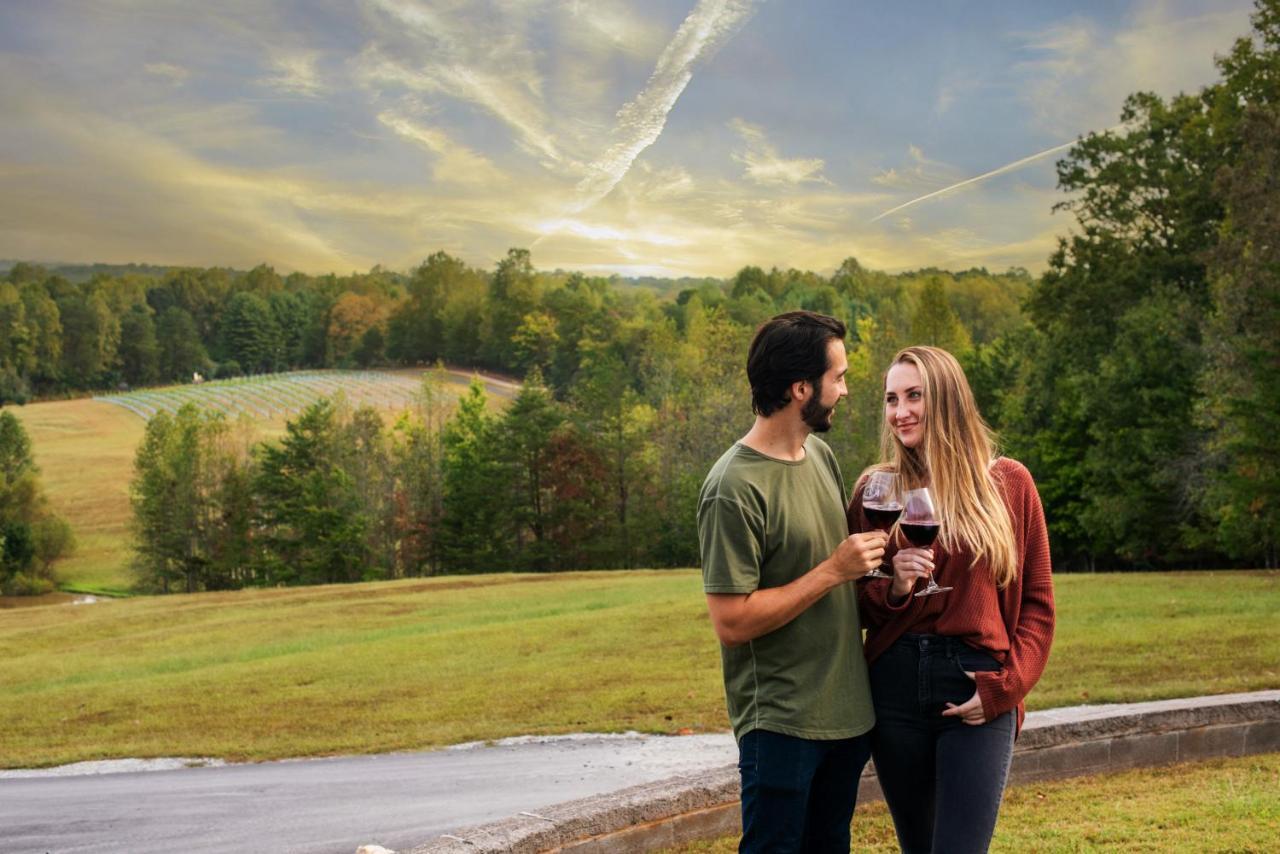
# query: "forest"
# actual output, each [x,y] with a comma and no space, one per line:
[1138,378]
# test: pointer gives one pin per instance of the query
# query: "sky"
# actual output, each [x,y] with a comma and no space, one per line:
[664,138]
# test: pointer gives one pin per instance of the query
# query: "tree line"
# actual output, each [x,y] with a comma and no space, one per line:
[627,399]
[61,338]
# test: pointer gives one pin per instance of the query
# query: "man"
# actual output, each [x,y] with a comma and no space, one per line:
[778,568]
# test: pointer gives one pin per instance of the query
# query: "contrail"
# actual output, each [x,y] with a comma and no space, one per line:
[1008,167]
[640,121]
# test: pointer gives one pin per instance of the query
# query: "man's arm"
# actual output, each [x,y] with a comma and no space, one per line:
[739,618]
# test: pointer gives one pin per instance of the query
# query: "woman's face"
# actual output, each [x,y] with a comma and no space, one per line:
[904,403]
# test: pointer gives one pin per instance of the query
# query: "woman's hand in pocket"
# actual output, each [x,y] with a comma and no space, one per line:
[970,711]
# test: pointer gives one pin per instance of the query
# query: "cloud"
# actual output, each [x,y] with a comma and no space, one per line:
[641,120]
[918,172]
[454,163]
[1077,75]
[196,126]
[295,74]
[953,89]
[175,74]
[766,167]
[475,125]
[97,187]
[659,185]
[607,26]
[478,56]
[600,231]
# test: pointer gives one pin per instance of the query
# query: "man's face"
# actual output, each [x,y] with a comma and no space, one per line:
[830,390]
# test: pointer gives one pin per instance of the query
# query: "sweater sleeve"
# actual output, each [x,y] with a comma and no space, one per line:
[1032,600]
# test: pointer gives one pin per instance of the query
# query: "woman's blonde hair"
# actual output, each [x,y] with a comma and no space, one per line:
[954,459]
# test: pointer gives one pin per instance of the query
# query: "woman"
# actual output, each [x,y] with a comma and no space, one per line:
[950,672]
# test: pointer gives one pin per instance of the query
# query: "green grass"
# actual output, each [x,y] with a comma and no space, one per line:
[85,452]
[265,674]
[1216,805]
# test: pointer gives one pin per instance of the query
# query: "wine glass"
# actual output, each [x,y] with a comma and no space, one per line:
[881,504]
[920,525]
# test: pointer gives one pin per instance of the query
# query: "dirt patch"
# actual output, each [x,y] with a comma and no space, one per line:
[37,601]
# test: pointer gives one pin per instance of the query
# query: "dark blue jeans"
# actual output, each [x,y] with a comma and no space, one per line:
[798,794]
[942,778]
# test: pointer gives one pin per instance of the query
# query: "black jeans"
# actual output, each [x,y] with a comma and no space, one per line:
[942,778]
[798,794]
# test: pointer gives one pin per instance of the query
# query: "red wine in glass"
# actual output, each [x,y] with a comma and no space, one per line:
[921,534]
[880,503]
[920,525]
[882,516]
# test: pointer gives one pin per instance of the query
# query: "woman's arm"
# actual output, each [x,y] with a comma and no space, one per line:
[1032,634]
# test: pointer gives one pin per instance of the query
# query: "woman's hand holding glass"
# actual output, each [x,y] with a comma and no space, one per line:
[908,566]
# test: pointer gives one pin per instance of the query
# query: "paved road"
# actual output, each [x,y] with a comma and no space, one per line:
[332,805]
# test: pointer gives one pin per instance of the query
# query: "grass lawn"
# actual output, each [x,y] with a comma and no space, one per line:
[265,674]
[1216,805]
[85,451]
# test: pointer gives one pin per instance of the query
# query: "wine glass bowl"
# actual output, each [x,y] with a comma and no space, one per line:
[921,534]
[920,525]
[882,505]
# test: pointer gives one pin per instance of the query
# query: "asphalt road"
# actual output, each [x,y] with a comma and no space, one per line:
[332,805]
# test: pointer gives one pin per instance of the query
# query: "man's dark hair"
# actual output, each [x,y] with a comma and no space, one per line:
[790,348]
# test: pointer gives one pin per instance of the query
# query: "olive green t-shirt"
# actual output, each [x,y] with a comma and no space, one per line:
[763,523]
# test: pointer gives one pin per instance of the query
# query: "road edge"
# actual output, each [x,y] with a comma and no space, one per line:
[1054,744]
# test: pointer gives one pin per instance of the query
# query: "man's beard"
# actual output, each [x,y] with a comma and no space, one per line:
[814,414]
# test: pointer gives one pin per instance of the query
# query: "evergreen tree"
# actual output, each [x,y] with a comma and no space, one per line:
[618,421]
[314,528]
[526,436]
[475,531]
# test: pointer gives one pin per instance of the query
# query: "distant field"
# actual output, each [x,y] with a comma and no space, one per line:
[85,453]
[264,674]
[276,397]
[1217,805]
[85,450]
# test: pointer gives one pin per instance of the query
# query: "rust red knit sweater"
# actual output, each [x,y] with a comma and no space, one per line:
[1015,625]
